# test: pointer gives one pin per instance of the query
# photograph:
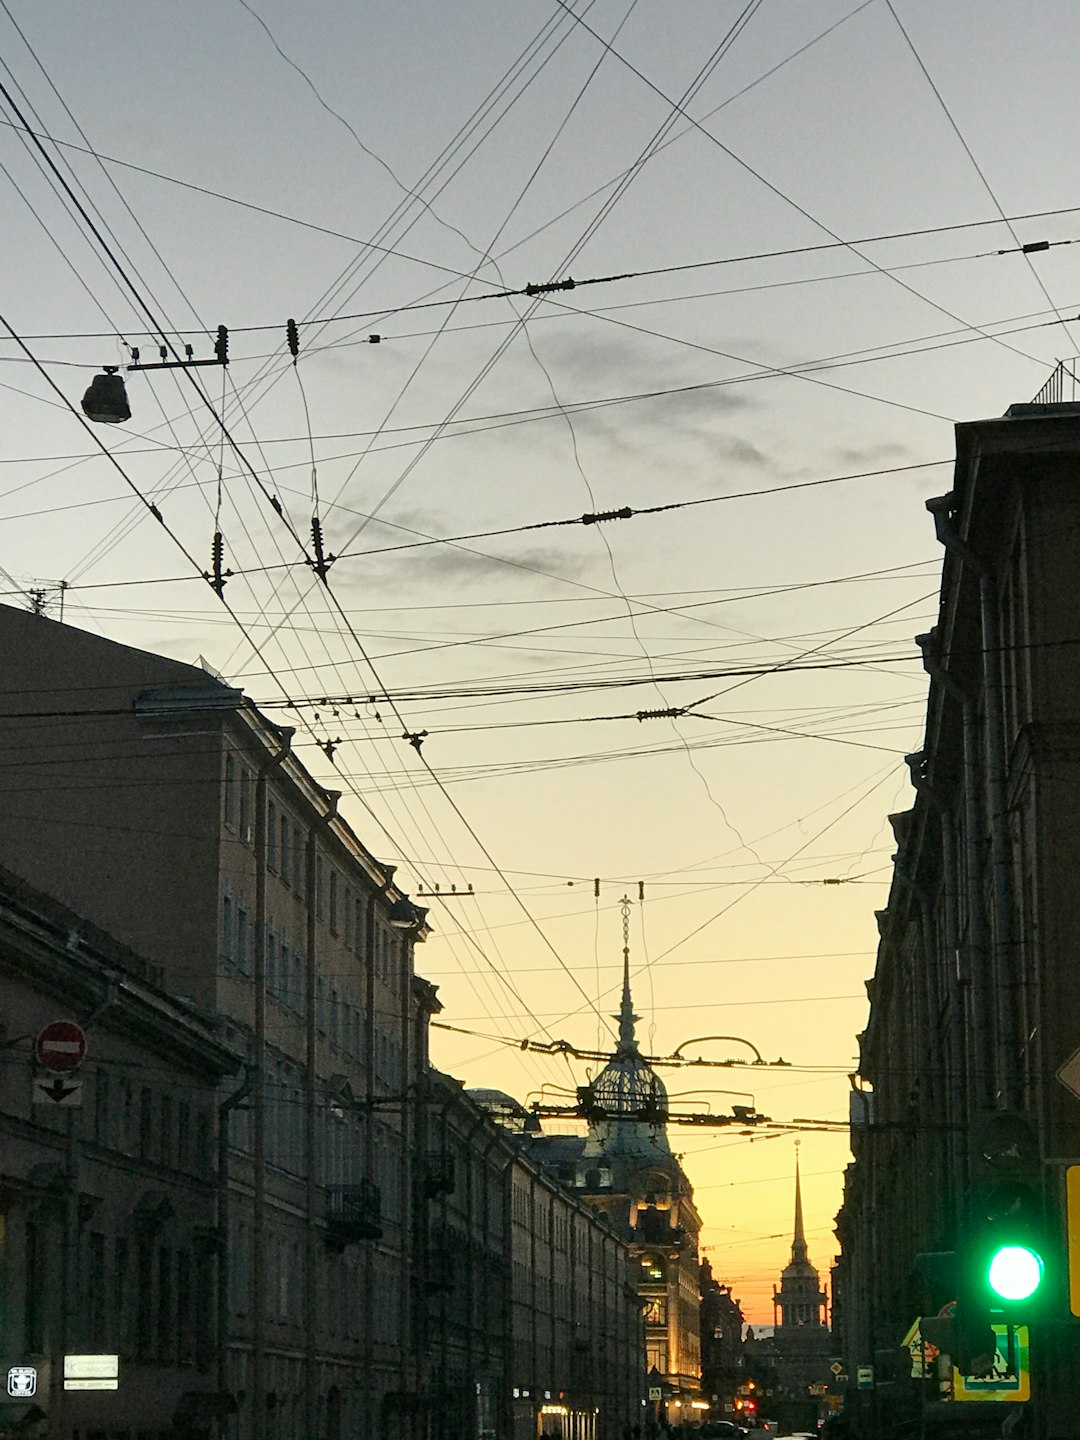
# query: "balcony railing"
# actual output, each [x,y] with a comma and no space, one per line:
[438,1174]
[353,1212]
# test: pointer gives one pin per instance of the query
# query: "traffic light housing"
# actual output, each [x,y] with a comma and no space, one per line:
[1007,1262]
[962,1327]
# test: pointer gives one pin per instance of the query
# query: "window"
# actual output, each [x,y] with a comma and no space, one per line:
[167,1155]
[144,1296]
[297,862]
[183,1135]
[358,926]
[146,1122]
[320,888]
[245,804]
[300,983]
[202,1143]
[102,1118]
[227,927]
[271,836]
[333,901]
[185,1320]
[33,1327]
[335,1034]
[320,1003]
[230,791]
[271,962]
[283,829]
[165,1325]
[95,1283]
[242,939]
[119,1292]
[348,904]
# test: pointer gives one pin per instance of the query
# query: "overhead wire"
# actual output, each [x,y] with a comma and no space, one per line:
[774,189]
[1025,250]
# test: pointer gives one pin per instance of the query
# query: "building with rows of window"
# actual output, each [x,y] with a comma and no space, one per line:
[976,992]
[158,805]
[109,1202]
[624,1168]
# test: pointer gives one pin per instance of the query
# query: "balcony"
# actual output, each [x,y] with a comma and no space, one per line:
[353,1212]
[438,1174]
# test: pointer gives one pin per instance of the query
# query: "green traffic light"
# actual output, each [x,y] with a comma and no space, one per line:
[1015,1272]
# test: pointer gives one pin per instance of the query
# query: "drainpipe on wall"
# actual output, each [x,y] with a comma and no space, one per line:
[370,1423]
[311,1180]
[258,1200]
[225,1109]
[1006,1048]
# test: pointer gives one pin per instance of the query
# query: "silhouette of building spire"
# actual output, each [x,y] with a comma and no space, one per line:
[798,1244]
[626,1017]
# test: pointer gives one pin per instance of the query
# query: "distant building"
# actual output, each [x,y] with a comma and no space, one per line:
[531,1322]
[722,1322]
[798,1354]
[624,1167]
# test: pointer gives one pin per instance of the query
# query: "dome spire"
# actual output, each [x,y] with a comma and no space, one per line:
[626,1017]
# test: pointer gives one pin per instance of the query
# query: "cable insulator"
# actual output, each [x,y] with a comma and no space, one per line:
[217,576]
[546,288]
[221,345]
[624,514]
[292,336]
[322,562]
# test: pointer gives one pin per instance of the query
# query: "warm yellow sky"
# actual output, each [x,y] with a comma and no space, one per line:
[796,237]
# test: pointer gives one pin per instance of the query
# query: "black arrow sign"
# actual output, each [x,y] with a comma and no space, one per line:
[58,1089]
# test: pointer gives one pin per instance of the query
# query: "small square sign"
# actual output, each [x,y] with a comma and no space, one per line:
[22,1381]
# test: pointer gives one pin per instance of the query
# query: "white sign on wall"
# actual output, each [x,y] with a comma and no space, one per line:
[91,1372]
[22,1381]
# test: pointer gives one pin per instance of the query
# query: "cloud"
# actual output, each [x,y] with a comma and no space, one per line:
[870,456]
[450,562]
[745,453]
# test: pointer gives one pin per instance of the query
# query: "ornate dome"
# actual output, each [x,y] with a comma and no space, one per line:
[628,1127]
[628,1086]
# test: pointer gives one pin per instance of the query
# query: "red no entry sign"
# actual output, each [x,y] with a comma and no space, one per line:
[60,1046]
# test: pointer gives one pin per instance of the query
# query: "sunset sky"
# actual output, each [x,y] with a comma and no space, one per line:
[796,233]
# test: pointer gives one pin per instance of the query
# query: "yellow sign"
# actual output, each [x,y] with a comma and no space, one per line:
[1011,1376]
[1072,1212]
[923,1354]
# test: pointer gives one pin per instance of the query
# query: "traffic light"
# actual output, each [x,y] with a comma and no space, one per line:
[1006,1269]
[966,1336]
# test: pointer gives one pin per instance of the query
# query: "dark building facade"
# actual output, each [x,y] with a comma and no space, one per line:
[975,995]
[531,1320]
[363,1229]
[110,1203]
[722,1322]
